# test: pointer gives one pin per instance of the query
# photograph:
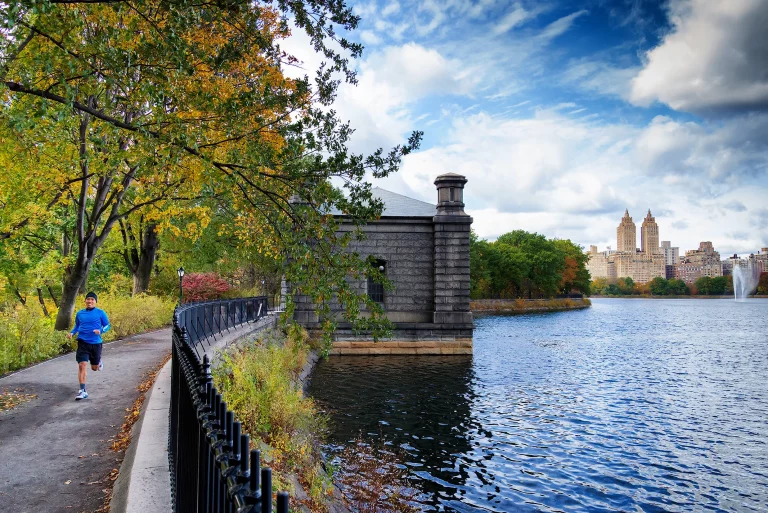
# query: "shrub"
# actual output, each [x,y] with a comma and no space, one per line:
[137,314]
[204,286]
[259,381]
[27,337]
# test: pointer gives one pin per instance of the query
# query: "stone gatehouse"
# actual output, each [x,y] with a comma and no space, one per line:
[423,250]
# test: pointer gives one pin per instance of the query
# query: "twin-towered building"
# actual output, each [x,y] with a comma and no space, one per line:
[652,259]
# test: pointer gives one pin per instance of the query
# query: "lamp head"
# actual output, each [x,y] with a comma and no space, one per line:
[180,271]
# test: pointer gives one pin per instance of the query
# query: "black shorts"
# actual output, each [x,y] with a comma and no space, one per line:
[88,352]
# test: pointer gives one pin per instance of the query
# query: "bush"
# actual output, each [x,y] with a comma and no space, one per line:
[204,286]
[27,337]
[258,380]
[137,314]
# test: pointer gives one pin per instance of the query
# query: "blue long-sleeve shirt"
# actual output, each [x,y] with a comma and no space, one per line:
[88,320]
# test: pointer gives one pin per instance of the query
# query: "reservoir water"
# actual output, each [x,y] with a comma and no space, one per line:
[631,405]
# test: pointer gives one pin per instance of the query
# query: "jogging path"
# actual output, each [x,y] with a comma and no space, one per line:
[55,453]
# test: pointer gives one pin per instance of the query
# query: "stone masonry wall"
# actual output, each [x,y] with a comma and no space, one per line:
[407,247]
[452,270]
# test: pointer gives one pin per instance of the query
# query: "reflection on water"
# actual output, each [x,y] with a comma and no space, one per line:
[632,405]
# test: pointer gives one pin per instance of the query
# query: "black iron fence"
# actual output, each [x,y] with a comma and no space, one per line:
[212,467]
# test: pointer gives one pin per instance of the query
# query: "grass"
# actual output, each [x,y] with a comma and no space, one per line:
[259,381]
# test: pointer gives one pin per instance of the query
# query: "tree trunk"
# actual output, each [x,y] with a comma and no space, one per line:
[53,298]
[147,254]
[42,301]
[21,298]
[69,293]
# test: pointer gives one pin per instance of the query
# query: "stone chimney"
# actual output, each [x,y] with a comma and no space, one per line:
[452,230]
[450,194]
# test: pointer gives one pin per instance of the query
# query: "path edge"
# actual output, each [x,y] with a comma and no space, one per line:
[144,482]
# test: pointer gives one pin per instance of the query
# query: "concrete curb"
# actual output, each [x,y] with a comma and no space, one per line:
[144,482]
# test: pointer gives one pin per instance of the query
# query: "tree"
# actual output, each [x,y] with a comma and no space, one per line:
[678,287]
[545,261]
[719,285]
[599,285]
[575,275]
[762,284]
[139,105]
[704,285]
[658,286]
[626,286]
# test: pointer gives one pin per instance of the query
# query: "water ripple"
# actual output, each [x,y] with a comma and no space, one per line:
[632,405]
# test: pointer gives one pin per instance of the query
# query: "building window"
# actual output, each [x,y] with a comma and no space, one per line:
[451,194]
[375,288]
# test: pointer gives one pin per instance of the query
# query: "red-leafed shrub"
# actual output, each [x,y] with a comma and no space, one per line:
[203,286]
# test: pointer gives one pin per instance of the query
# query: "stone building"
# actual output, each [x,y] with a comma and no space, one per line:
[704,261]
[601,265]
[423,250]
[758,262]
[626,235]
[628,262]
[671,257]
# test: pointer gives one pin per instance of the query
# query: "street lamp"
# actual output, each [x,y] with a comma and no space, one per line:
[180,272]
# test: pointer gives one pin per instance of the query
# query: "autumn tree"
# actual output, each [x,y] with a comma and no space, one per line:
[575,275]
[134,106]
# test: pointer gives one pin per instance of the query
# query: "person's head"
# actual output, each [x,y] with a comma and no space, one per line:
[90,300]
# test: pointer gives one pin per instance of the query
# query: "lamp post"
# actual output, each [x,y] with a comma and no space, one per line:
[180,272]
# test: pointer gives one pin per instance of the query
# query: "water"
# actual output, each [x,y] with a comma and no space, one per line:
[631,405]
[744,281]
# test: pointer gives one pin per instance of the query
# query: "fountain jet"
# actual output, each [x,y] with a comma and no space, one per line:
[744,281]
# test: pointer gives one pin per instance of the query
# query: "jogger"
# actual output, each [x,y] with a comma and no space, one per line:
[90,324]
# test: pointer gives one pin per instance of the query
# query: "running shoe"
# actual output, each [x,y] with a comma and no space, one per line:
[82,394]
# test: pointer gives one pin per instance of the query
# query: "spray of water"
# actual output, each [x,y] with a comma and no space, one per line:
[744,281]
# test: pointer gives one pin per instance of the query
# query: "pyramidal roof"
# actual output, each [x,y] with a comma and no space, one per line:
[397,205]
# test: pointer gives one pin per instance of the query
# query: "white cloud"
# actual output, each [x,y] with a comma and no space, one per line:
[369,37]
[715,58]
[391,9]
[573,179]
[560,26]
[512,19]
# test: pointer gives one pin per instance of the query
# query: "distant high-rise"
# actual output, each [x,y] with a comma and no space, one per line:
[626,234]
[649,235]
[627,261]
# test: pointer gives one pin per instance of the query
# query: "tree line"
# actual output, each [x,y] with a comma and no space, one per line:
[520,264]
[705,286]
[139,136]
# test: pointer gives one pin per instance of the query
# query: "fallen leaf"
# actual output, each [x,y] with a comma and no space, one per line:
[67,481]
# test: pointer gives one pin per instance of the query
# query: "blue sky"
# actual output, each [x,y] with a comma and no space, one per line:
[563,113]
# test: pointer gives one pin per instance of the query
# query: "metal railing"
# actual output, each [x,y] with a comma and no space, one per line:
[212,467]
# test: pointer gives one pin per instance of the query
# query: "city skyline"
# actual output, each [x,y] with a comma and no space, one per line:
[562,114]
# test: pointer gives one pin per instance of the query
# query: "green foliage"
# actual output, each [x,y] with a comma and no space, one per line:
[717,286]
[522,264]
[258,380]
[137,314]
[158,110]
[27,337]
[762,284]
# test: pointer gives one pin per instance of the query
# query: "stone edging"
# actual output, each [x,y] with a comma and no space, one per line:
[144,482]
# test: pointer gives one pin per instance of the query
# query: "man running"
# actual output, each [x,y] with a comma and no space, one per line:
[90,323]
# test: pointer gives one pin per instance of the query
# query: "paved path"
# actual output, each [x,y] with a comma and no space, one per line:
[55,451]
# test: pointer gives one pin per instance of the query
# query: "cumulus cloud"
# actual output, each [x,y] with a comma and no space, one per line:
[714,59]
[732,151]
